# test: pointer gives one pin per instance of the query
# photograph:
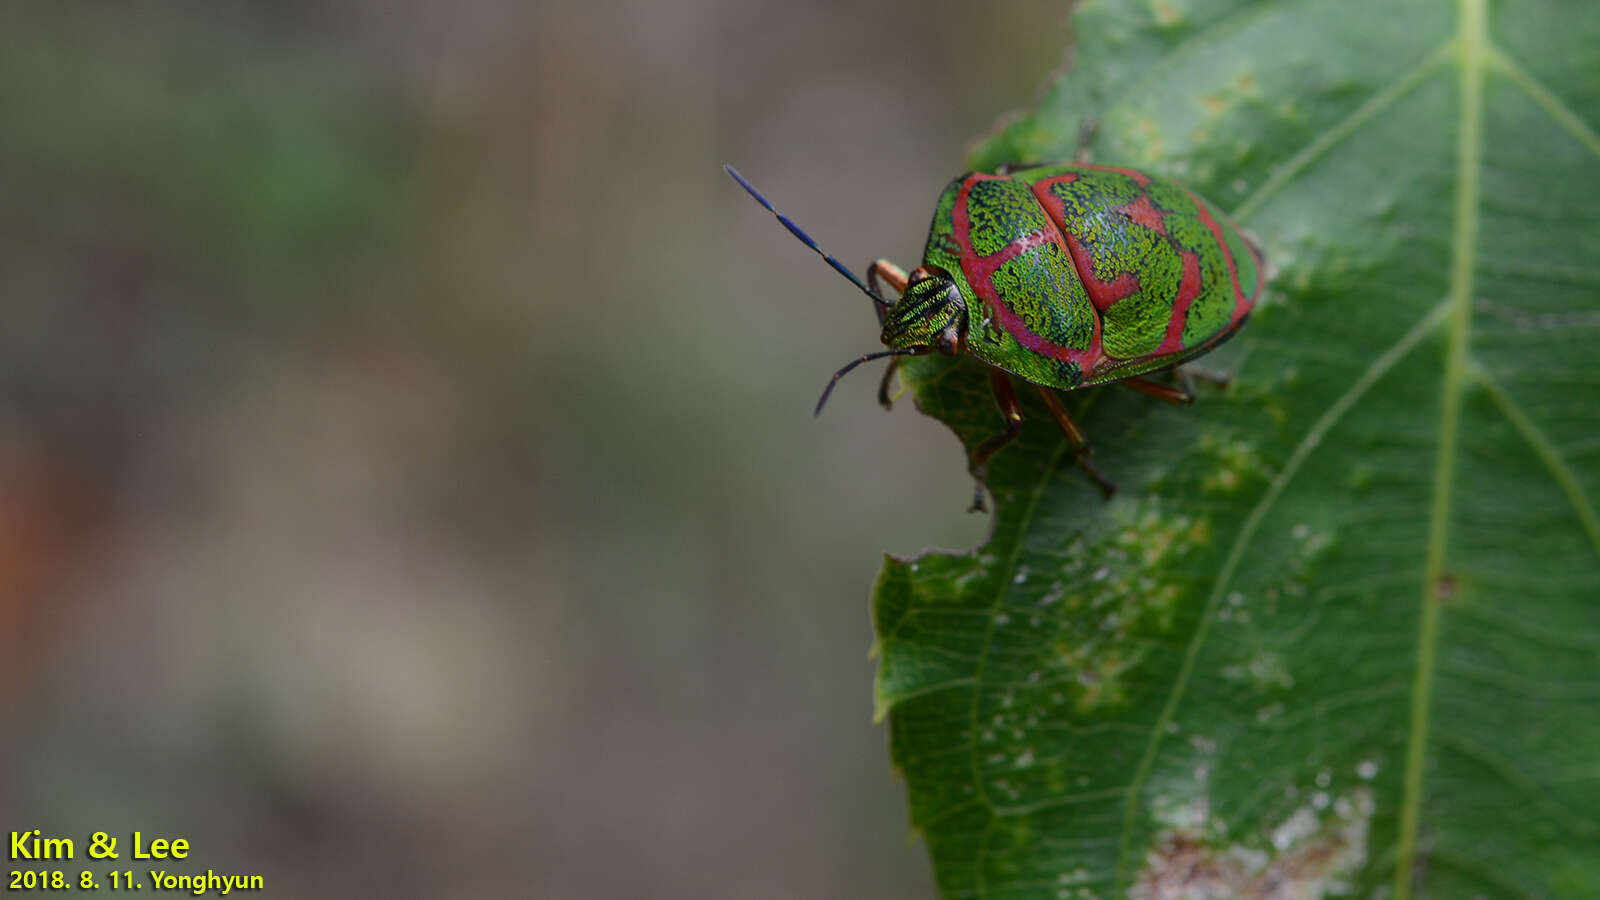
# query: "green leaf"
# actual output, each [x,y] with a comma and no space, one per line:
[1338,632]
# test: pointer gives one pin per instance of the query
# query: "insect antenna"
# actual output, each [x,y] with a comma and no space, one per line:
[794,229]
[902,351]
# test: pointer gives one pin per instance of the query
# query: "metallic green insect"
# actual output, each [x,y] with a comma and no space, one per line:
[1065,276]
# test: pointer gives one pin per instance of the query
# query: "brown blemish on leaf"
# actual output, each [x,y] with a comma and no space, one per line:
[1444,587]
[1098,679]
[1213,104]
[1235,461]
[1225,481]
[1183,866]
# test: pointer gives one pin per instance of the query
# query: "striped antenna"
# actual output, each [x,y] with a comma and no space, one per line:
[794,229]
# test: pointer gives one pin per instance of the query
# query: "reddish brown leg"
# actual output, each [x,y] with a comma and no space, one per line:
[1086,132]
[1177,396]
[1183,393]
[1188,372]
[1080,444]
[897,279]
[1006,397]
[888,271]
[884,399]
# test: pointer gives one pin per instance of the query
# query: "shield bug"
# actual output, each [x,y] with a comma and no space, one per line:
[1066,276]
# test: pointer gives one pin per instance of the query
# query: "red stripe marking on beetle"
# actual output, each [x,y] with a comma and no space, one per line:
[1101,293]
[1143,212]
[979,269]
[1188,289]
[1043,185]
[1241,306]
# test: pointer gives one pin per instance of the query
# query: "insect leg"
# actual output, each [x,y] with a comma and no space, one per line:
[888,271]
[1190,371]
[1080,444]
[1183,392]
[1005,395]
[1176,395]
[884,399]
[1086,132]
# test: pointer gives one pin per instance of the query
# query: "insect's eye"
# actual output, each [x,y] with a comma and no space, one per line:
[923,273]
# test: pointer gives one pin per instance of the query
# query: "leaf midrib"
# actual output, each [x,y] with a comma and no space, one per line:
[1471,43]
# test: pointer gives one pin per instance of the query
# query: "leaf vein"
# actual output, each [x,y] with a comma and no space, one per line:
[1381,99]
[1546,99]
[1545,450]
[1483,871]
[1235,21]
[924,690]
[1563,638]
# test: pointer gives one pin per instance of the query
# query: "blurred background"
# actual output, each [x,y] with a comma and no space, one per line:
[408,483]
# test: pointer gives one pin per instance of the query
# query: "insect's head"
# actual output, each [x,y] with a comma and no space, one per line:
[930,314]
